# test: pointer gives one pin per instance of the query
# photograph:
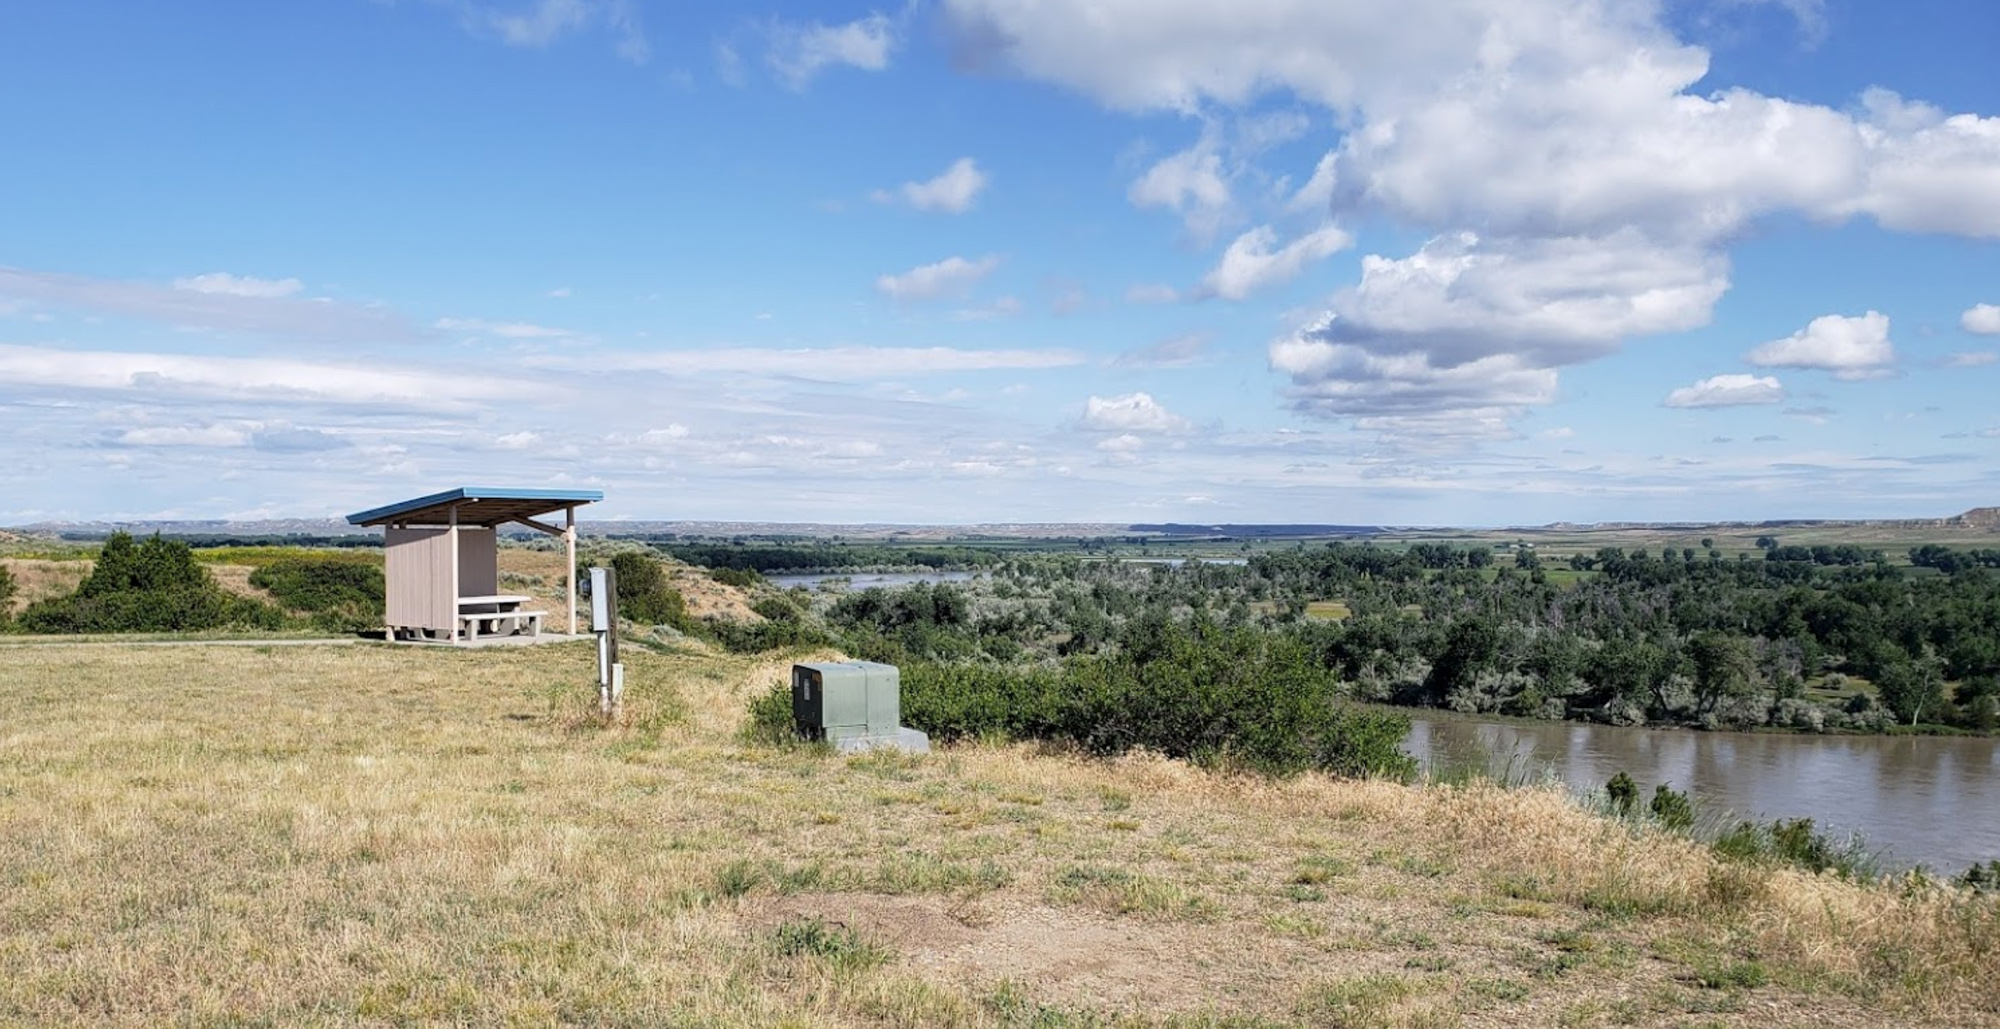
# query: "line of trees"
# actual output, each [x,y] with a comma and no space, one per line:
[1649,638]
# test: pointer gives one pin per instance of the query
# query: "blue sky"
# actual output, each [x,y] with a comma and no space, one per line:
[1461,262]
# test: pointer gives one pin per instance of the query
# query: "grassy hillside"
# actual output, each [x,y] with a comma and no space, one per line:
[388,836]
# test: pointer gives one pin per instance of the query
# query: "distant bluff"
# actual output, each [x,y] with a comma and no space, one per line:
[1979,518]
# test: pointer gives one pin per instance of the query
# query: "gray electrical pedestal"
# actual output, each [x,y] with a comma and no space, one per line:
[854,705]
[602,589]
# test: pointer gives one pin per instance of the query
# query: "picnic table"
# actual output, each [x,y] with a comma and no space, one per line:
[498,614]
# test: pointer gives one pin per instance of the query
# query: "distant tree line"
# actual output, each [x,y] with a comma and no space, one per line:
[1664,638]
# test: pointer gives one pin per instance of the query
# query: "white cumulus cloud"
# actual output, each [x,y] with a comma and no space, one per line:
[1469,329]
[1849,347]
[953,191]
[1604,181]
[1983,319]
[1254,261]
[1131,413]
[951,277]
[1192,184]
[1734,390]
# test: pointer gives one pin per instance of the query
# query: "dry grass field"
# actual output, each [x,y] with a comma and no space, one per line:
[35,579]
[373,835]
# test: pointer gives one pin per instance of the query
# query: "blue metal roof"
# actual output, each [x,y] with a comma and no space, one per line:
[496,505]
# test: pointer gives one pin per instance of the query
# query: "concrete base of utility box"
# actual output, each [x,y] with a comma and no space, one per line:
[907,740]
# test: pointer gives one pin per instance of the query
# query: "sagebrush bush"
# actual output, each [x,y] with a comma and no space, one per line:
[339,592]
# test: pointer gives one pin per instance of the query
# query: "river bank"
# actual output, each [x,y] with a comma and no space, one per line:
[1918,800]
[380,834]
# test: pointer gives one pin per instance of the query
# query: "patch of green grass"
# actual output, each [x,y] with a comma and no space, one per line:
[838,946]
[1120,892]
[1361,1002]
[1317,869]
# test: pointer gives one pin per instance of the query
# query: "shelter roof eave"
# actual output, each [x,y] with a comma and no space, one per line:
[477,505]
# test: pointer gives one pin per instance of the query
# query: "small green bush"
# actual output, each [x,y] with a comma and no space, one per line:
[644,596]
[1672,809]
[1798,842]
[771,717]
[1624,794]
[758,637]
[777,609]
[741,578]
[340,593]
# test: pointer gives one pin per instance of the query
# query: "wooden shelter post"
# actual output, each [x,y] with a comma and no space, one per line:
[569,547]
[453,533]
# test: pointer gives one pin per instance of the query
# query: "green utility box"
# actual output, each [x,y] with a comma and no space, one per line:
[853,705]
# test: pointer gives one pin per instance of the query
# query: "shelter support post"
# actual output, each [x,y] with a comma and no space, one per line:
[569,549]
[453,533]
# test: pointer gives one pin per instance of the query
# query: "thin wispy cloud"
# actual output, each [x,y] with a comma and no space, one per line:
[542,23]
[1174,352]
[239,285]
[801,51]
[952,277]
[226,304]
[833,363]
[272,380]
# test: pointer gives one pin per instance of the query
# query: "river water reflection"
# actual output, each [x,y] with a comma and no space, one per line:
[1924,800]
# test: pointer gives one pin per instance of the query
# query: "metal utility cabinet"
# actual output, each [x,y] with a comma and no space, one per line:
[854,705]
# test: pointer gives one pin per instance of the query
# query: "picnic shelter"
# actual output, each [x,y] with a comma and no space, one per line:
[441,562]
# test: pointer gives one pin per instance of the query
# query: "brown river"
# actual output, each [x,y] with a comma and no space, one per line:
[1933,801]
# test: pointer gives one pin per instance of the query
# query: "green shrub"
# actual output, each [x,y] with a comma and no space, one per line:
[771,716]
[341,594]
[6,591]
[644,594]
[1223,697]
[777,609]
[758,637]
[154,586]
[1798,842]
[741,578]
[1624,794]
[1672,809]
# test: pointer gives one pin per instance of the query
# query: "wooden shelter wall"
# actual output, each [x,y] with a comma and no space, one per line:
[417,572]
[478,562]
